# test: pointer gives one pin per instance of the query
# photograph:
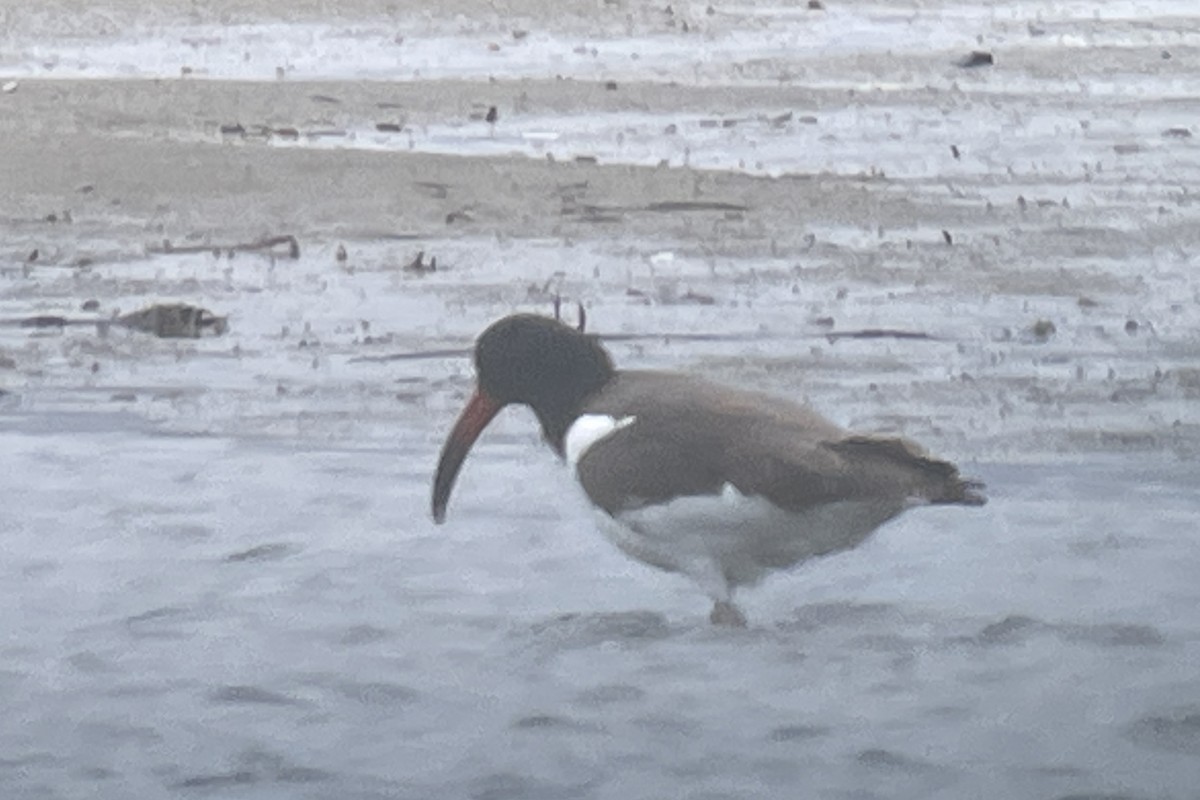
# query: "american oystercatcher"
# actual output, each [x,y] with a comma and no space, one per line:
[719,484]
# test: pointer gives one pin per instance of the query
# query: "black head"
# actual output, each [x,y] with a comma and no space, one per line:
[540,362]
[528,360]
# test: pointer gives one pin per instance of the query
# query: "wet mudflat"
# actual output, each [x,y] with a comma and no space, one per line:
[220,579]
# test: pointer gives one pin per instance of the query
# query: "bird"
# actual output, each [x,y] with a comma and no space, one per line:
[722,485]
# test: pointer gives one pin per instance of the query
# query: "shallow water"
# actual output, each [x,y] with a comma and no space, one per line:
[240,617]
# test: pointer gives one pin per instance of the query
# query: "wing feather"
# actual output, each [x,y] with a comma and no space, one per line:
[690,437]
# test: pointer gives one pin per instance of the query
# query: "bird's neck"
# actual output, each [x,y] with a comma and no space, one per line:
[557,414]
[554,431]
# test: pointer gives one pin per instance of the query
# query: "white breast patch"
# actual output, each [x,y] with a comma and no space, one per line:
[588,429]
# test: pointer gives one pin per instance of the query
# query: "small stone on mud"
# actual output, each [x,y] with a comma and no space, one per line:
[174,321]
[1043,329]
[978,58]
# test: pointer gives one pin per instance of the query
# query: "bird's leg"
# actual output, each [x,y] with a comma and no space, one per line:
[707,572]
[726,613]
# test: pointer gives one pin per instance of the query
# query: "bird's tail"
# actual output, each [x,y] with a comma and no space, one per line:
[962,492]
[929,479]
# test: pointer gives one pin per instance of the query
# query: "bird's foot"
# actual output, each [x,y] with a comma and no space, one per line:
[726,613]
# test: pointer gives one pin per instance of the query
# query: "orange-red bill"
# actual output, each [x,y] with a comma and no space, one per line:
[474,418]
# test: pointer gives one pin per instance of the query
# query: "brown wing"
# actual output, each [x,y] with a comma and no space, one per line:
[691,437]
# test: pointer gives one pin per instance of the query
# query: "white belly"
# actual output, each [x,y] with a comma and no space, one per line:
[729,540]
